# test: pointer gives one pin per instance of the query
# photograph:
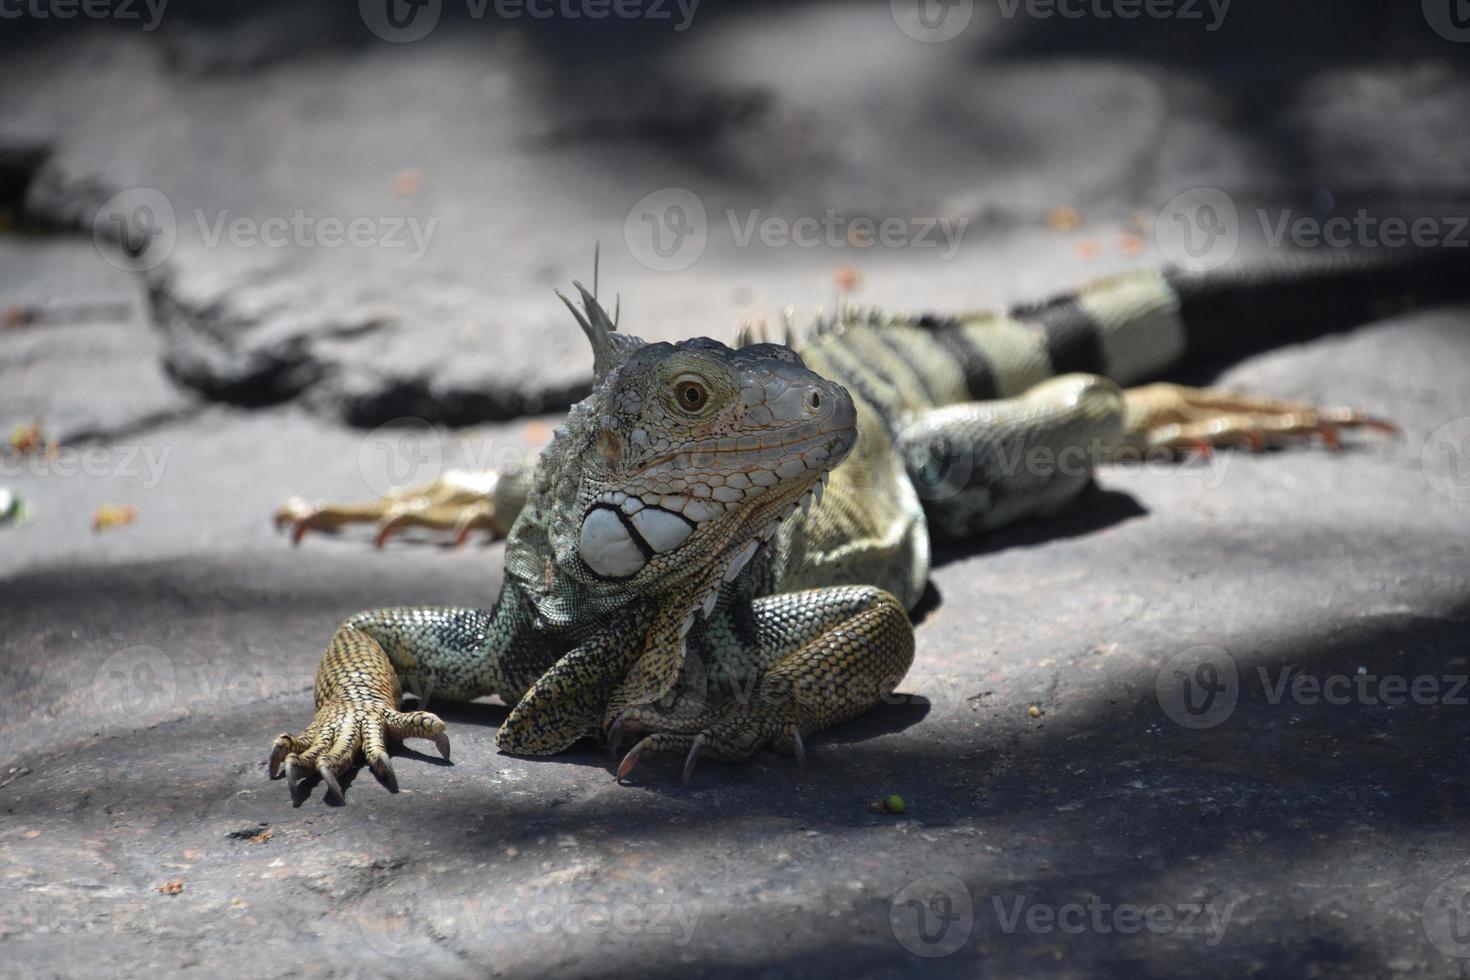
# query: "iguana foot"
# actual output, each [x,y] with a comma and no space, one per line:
[341,728]
[461,502]
[836,652]
[740,734]
[357,694]
[1175,417]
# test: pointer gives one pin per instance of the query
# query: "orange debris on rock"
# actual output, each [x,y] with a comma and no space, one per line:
[408,181]
[111,515]
[26,437]
[1063,219]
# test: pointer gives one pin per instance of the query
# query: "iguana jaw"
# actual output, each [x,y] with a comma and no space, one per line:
[672,496]
[758,527]
[741,477]
[682,533]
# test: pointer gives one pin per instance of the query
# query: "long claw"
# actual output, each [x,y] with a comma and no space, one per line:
[390,526]
[279,751]
[693,757]
[383,766]
[799,747]
[472,520]
[330,778]
[630,760]
[615,735]
[296,514]
[1199,448]
[441,742]
[299,529]
[462,533]
[293,780]
[1348,418]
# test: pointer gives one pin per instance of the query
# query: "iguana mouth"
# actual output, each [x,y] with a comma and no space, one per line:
[750,465]
[759,447]
[623,530]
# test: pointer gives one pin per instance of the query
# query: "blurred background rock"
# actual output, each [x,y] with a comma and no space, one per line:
[171,378]
[517,142]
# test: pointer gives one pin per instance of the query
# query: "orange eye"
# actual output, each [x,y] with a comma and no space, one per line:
[690,394]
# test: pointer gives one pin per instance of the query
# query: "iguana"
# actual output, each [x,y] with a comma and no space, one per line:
[674,568]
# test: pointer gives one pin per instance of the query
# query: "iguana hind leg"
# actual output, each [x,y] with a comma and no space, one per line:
[981,465]
[831,654]
[1170,416]
[459,501]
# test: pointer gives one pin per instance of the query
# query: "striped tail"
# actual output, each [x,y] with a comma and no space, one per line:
[1130,328]
[1133,326]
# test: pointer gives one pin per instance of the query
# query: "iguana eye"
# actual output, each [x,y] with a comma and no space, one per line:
[690,394]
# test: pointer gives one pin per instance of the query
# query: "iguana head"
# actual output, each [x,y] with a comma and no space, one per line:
[690,454]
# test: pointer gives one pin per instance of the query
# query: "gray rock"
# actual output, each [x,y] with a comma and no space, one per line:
[515,145]
[144,672]
[77,355]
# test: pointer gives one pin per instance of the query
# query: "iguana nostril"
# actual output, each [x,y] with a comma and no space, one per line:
[813,401]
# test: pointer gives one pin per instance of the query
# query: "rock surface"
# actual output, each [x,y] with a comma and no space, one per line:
[1050,775]
[484,161]
[146,670]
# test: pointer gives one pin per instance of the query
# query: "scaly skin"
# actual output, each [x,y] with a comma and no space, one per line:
[672,568]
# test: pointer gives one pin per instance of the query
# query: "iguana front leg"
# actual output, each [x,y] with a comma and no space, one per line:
[827,655]
[439,651]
